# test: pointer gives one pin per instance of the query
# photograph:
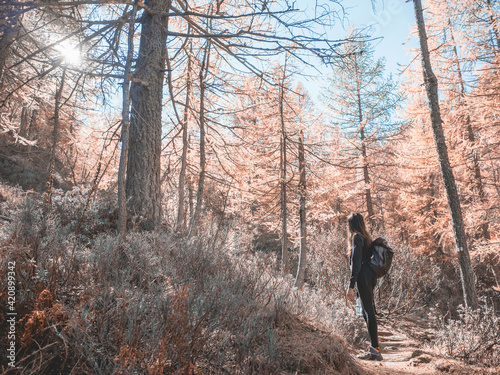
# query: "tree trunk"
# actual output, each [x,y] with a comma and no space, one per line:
[190,184]
[364,160]
[283,183]
[366,178]
[55,136]
[431,86]
[472,156]
[301,269]
[25,120]
[122,169]
[203,163]
[181,212]
[9,29]
[143,186]
[33,126]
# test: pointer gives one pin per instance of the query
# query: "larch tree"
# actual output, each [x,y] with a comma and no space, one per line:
[431,85]
[202,76]
[122,172]
[181,211]
[454,40]
[361,101]
[143,166]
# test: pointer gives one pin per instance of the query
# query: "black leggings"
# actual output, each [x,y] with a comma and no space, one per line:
[366,284]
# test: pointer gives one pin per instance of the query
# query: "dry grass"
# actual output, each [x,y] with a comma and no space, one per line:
[156,304]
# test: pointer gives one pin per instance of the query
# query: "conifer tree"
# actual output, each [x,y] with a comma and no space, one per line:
[361,101]
[431,85]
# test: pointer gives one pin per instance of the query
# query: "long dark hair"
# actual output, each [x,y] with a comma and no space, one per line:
[356,225]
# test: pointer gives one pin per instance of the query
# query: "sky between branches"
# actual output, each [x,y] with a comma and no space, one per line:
[388,21]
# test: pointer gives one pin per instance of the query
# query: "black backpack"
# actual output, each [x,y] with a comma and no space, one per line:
[381,259]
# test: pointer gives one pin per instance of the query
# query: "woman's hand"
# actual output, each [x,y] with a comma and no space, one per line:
[350,295]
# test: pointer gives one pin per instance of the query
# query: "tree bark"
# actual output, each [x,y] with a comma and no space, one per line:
[283,182]
[431,86]
[366,178]
[143,185]
[301,269]
[364,160]
[25,120]
[33,126]
[203,163]
[181,212]
[122,169]
[8,30]
[55,136]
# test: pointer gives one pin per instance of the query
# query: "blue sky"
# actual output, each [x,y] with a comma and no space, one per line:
[389,21]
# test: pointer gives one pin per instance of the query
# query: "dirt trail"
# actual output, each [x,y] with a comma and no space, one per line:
[404,352]
[402,355]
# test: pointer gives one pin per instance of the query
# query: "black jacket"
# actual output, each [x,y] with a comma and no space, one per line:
[360,253]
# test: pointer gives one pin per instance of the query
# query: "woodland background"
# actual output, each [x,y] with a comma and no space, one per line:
[176,202]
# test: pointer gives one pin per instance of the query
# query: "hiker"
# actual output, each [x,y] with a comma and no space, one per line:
[365,278]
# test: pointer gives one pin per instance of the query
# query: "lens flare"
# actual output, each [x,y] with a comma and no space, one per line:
[69,54]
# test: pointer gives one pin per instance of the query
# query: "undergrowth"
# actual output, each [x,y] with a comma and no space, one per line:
[473,337]
[155,304]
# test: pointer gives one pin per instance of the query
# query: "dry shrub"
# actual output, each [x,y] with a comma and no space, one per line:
[406,288]
[41,347]
[410,283]
[84,212]
[329,262]
[156,304]
[319,352]
[474,337]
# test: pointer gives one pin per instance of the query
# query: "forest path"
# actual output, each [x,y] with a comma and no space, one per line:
[402,355]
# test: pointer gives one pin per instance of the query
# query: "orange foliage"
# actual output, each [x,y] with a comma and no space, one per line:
[47,312]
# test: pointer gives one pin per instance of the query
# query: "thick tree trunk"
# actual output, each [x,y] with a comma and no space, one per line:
[283,182]
[122,169]
[301,269]
[203,162]
[143,187]
[181,212]
[431,85]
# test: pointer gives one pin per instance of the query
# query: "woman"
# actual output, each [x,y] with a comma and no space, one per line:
[364,277]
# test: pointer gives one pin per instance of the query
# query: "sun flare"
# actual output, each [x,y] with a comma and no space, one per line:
[69,54]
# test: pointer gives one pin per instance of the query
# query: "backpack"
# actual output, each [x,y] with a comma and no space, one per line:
[381,259]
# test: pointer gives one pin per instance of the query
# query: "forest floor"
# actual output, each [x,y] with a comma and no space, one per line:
[405,350]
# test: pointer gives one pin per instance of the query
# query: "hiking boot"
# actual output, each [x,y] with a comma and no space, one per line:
[373,354]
